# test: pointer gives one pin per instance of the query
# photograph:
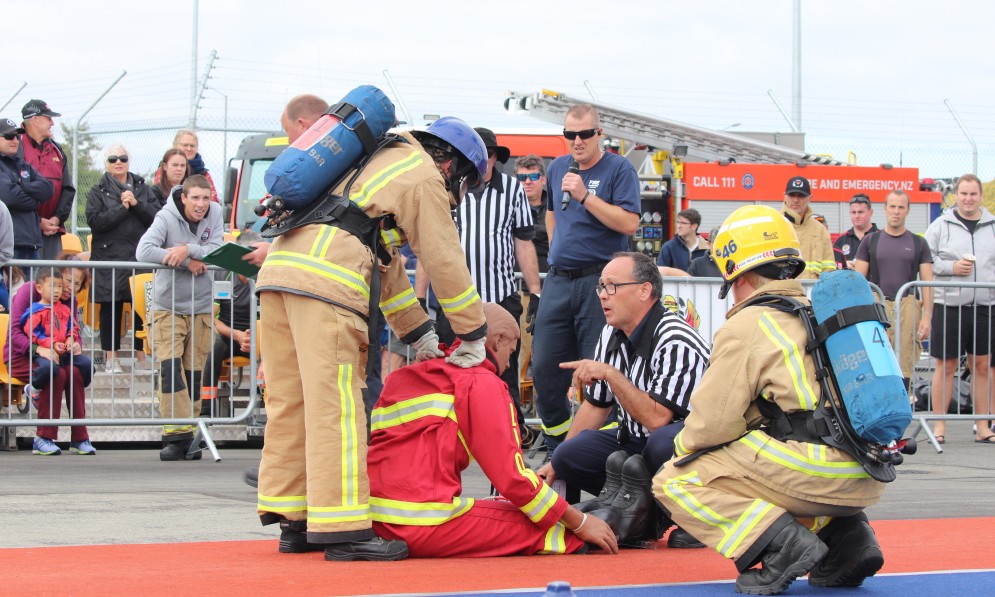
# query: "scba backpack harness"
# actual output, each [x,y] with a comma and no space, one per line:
[864,407]
[301,181]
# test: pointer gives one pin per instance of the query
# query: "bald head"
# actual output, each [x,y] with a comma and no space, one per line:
[301,112]
[502,334]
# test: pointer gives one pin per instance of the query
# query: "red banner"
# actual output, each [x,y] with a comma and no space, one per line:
[766,182]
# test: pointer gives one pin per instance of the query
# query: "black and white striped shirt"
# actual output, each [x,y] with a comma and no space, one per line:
[489,223]
[665,358]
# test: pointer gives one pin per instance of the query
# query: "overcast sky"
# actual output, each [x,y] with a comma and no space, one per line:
[874,79]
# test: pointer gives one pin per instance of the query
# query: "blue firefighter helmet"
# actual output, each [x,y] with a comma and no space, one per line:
[452,135]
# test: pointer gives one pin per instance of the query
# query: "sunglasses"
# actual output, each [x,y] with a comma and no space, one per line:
[860,199]
[10,136]
[533,176]
[584,134]
[112,159]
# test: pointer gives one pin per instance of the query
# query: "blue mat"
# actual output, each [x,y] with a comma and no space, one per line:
[947,583]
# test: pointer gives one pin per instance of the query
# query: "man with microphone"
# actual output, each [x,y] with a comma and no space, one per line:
[593,209]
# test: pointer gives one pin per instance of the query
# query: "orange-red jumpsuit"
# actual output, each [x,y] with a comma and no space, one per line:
[432,419]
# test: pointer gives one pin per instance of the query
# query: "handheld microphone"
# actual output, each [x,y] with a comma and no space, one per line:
[573,169]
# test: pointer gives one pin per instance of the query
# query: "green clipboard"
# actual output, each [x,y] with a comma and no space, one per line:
[229,256]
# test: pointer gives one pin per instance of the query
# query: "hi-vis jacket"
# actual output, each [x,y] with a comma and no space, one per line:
[431,421]
[332,265]
[814,240]
[759,354]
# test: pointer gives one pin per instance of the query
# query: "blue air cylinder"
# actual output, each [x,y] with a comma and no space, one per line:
[868,374]
[305,170]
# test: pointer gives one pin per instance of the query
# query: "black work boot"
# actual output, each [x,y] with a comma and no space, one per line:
[613,482]
[854,553]
[376,549]
[293,538]
[791,553]
[251,476]
[174,448]
[681,539]
[635,505]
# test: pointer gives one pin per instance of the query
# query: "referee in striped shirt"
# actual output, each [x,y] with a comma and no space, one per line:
[496,230]
[647,362]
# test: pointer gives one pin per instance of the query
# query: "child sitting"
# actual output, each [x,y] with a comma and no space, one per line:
[55,343]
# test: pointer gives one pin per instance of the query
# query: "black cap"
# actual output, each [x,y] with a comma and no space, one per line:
[35,107]
[8,126]
[490,142]
[798,185]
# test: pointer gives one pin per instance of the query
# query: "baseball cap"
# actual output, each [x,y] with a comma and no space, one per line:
[490,142]
[8,126]
[35,107]
[798,185]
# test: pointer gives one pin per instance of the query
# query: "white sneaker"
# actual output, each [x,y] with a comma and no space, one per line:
[113,367]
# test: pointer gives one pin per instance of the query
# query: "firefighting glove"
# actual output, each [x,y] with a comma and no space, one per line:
[427,347]
[469,353]
[530,316]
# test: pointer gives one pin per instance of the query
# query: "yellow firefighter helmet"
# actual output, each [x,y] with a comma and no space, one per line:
[754,236]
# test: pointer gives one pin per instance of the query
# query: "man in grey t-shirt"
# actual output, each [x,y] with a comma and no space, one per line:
[892,258]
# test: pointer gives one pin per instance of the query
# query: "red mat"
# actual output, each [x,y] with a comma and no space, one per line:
[255,568]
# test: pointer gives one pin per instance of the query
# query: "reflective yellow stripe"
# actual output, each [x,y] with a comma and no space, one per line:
[405,411]
[321,241]
[464,300]
[555,540]
[338,514]
[794,360]
[819,523]
[540,505]
[828,266]
[679,449]
[558,429]
[322,268]
[391,238]
[177,429]
[817,467]
[674,488]
[398,302]
[420,514]
[350,439]
[376,182]
[612,425]
[738,531]
[288,503]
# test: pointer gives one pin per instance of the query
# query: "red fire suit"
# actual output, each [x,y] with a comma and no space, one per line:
[432,419]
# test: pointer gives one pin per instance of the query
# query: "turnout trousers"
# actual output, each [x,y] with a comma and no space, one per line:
[314,457]
[726,502]
[181,343]
[489,528]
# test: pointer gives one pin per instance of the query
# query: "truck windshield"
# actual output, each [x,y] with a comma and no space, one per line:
[252,193]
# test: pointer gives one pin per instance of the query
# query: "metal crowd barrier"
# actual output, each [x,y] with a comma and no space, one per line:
[129,400]
[925,364]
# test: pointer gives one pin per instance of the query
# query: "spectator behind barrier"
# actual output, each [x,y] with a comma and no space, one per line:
[187,142]
[962,241]
[173,170]
[59,379]
[185,231]
[119,209]
[687,245]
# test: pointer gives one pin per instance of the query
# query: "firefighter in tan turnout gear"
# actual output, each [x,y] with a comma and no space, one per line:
[315,288]
[815,243]
[792,506]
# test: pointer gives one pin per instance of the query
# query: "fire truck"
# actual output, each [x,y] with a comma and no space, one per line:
[715,172]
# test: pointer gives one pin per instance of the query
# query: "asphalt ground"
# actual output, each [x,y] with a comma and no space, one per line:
[124,494]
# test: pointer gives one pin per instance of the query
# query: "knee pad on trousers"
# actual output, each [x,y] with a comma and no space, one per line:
[193,382]
[172,376]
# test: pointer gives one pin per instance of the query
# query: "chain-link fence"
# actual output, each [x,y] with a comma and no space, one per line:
[233,98]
